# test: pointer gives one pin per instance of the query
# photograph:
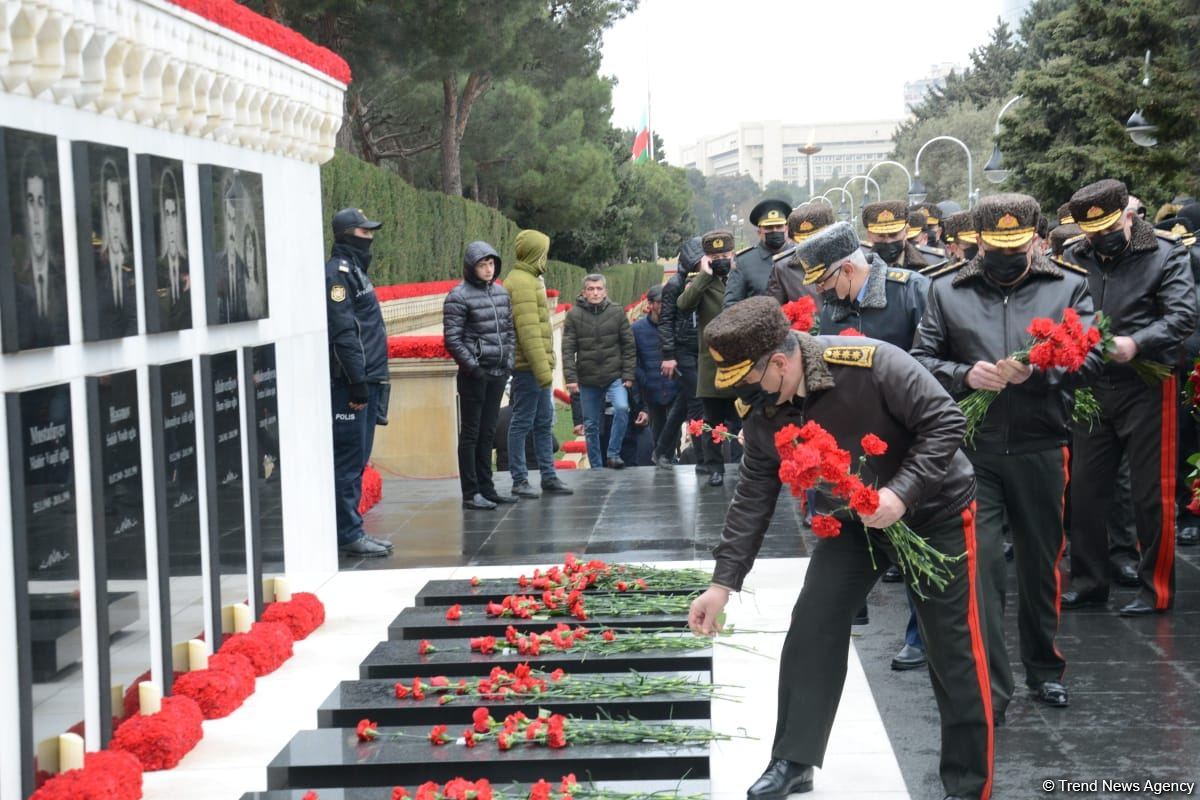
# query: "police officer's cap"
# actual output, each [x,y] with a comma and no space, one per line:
[1064,214]
[717,242]
[885,218]
[808,218]
[1007,220]
[351,218]
[742,334]
[917,220]
[1098,205]
[820,254]
[959,228]
[770,212]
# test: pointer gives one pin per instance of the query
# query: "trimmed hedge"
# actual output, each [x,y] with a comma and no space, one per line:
[425,233]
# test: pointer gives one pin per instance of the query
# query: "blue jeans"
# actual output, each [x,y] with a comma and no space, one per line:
[353,438]
[592,398]
[532,409]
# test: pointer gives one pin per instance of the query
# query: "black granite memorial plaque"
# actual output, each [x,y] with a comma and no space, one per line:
[226,510]
[431,623]
[335,757]
[262,445]
[235,255]
[167,278]
[401,659]
[119,539]
[493,590]
[643,789]
[177,508]
[353,700]
[45,568]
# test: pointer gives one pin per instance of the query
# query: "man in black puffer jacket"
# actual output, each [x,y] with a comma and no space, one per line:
[679,333]
[478,324]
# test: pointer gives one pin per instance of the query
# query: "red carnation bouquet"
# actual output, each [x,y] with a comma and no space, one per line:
[801,313]
[266,646]
[106,775]
[160,741]
[809,457]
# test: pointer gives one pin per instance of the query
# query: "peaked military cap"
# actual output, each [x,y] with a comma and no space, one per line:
[715,242]
[931,212]
[819,254]
[770,212]
[959,227]
[885,218]
[350,218]
[946,208]
[1098,205]
[1064,214]
[917,220]
[742,334]
[1043,225]
[1007,220]
[808,218]
[1061,235]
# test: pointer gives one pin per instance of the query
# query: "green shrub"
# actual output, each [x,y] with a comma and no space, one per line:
[626,282]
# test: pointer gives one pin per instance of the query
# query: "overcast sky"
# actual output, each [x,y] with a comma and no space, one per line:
[806,61]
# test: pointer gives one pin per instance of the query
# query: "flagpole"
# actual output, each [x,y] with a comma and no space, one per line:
[650,129]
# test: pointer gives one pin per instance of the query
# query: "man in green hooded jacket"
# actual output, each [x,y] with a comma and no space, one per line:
[533,374]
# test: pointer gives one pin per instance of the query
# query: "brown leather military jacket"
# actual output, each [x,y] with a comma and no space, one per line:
[853,386]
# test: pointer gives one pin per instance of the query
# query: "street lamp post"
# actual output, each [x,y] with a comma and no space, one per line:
[810,150]
[903,169]
[994,169]
[844,195]
[1143,132]
[867,181]
[918,189]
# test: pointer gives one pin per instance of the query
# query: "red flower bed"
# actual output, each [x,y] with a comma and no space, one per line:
[417,347]
[403,291]
[562,396]
[315,606]
[106,775]
[160,741]
[298,615]
[565,465]
[372,490]
[240,19]
[575,446]
[266,646]
[562,308]
[217,692]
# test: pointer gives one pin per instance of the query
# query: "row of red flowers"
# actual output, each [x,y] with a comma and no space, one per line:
[463,789]
[106,775]
[404,291]
[372,489]
[417,347]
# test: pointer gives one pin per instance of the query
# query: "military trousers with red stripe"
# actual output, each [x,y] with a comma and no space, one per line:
[1140,421]
[812,668]
[1029,491]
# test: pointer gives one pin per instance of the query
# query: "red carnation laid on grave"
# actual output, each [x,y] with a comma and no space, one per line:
[159,741]
[297,617]
[106,775]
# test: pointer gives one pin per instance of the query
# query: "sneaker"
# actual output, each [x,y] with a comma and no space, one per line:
[380,542]
[501,499]
[556,486]
[664,462]
[615,463]
[363,547]
[523,489]
[478,503]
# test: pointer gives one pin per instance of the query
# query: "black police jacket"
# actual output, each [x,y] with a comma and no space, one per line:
[751,271]
[891,308]
[477,319]
[357,335]
[1146,293]
[679,330]
[853,386]
[970,319]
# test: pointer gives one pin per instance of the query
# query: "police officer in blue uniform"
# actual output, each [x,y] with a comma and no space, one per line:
[358,366]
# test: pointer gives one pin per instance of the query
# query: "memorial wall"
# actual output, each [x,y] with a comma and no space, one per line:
[163,360]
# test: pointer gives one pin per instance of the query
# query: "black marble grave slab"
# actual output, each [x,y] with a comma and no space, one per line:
[689,787]
[333,757]
[225,484]
[353,700]
[400,659]
[494,590]
[431,623]
[264,479]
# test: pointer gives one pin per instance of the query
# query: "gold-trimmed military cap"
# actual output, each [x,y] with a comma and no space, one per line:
[819,254]
[885,218]
[1007,220]
[932,215]
[808,218]
[917,220]
[741,335]
[769,213]
[1098,205]
[1062,235]
[1064,214]
[715,242]
[959,228]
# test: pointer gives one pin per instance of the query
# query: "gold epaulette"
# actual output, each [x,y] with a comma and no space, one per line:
[1067,265]
[850,355]
[742,409]
[945,269]
[1074,240]
[1170,236]
[775,259]
[744,250]
[898,275]
[934,251]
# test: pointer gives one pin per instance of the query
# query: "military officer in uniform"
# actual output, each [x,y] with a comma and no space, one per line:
[358,364]
[962,242]
[887,236]
[754,263]
[917,233]
[933,223]
[1143,285]
[853,386]
[787,279]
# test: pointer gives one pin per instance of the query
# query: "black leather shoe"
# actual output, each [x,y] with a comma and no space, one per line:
[556,486]
[1139,608]
[782,778]
[523,489]
[892,575]
[502,499]
[380,542]
[1074,599]
[664,462]
[703,469]
[363,547]
[1188,536]
[863,617]
[1052,693]
[716,479]
[909,657]
[1127,575]
[615,463]
[478,503]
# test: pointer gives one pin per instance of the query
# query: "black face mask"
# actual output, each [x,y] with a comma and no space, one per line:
[970,252]
[721,266]
[775,239]
[889,251]
[362,248]
[1111,244]
[1004,269]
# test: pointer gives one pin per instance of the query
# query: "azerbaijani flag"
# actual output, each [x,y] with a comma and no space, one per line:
[641,142]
